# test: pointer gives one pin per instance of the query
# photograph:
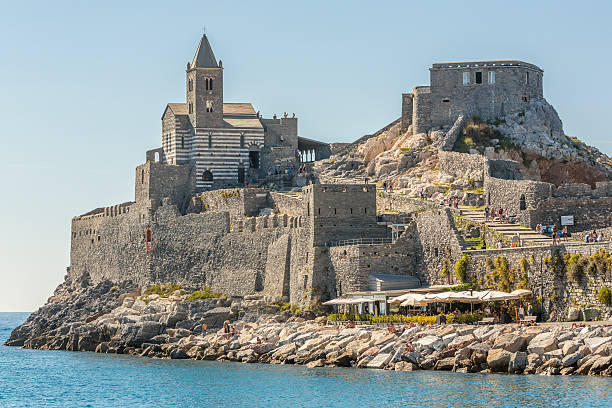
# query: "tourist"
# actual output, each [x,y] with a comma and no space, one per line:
[529,310]
[521,313]
[365,179]
[486,212]
[499,244]
[564,233]
[390,187]
[554,234]
[385,186]
[600,237]
[226,329]
[538,228]
[587,237]
[350,324]
[391,328]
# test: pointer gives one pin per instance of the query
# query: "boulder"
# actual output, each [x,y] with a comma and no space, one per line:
[498,360]
[380,361]
[517,362]
[600,364]
[316,363]
[463,341]
[341,360]
[177,354]
[571,359]
[542,343]
[405,366]
[433,342]
[595,342]
[446,364]
[510,342]
[558,353]
[573,314]
[570,347]
[551,367]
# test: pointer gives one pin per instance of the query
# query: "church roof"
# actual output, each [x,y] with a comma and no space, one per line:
[204,57]
[240,115]
[236,115]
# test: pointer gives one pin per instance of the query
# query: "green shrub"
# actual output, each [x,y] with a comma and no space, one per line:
[461,268]
[162,290]
[575,267]
[204,293]
[605,295]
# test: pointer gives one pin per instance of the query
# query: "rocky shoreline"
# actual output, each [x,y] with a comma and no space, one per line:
[150,326]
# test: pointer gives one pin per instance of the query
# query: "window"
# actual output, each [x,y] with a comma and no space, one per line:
[491,77]
[522,203]
[182,142]
[190,108]
[445,100]
[190,85]
[209,106]
[527,77]
[209,139]
[142,177]
[207,176]
[241,139]
[149,239]
[525,99]
[209,84]
[479,77]
[466,78]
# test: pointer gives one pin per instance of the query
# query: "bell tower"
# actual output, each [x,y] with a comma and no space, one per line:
[205,88]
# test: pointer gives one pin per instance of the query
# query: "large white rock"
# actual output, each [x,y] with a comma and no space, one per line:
[542,343]
[380,361]
[433,342]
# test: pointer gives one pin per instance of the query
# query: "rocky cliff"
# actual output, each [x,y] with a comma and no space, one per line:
[533,138]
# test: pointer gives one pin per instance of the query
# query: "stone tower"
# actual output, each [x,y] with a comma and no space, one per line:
[205,88]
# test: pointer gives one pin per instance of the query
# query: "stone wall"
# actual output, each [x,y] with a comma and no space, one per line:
[556,292]
[292,204]
[394,202]
[462,165]
[436,238]
[156,181]
[236,201]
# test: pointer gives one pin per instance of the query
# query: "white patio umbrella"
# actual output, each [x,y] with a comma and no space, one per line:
[400,298]
[521,292]
[495,295]
[414,299]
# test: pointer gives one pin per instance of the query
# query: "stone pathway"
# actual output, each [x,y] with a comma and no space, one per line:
[506,229]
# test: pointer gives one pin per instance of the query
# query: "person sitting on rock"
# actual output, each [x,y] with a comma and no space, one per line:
[391,328]
[350,324]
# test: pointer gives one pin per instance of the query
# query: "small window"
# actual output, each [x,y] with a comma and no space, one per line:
[527,77]
[491,77]
[182,142]
[190,85]
[209,106]
[142,177]
[445,100]
[525,99]
[241,139]
[466,78]
[209,84]
[209,139]
[479,77]
[190,108]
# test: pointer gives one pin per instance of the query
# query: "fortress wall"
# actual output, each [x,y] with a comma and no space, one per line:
[555,289]
[462,164]
[450,97]
[435,238]
[236,201]
[407,102]
[421,110]
[287,203]
[589,213]
[402,204]
[156,181]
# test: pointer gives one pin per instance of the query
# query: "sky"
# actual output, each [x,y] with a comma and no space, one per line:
[83,85]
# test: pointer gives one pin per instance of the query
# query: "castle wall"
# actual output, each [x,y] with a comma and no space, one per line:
[421,110]
[288,203]
[436,239]
[237,201]
[156,181]
[462,165]
[407,106]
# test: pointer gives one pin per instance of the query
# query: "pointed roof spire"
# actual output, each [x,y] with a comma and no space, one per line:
[204,57]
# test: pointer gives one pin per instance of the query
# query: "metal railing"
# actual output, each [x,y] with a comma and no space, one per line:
[361,241]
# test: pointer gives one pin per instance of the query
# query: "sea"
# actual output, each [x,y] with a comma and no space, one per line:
[36,378]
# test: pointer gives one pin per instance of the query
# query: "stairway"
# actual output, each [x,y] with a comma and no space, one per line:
[530,237]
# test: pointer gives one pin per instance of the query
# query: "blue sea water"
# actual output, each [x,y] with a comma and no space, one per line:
[34,378]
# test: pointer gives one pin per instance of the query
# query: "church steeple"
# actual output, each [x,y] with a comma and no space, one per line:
[204,56]
[205,88]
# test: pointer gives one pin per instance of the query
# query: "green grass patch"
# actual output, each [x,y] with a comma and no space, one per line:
[162,290]
[204,293]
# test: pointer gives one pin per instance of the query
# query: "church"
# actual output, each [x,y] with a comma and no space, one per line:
[229,144]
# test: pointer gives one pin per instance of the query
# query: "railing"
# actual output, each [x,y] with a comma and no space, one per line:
[361,241]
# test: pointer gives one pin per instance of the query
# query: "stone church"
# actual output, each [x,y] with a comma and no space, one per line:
[228,143]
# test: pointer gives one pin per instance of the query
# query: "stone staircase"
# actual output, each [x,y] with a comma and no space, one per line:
[529,236]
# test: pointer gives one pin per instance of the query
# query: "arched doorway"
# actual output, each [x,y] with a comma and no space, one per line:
[254,157]
[207,176]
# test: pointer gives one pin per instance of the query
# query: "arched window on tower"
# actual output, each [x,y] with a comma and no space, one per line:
[210,84]
[209,139]
[522,203]
[190,85]
[241,139]
[182,142]
[209,106]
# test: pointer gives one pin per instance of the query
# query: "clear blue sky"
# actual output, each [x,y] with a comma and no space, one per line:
[83,86]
